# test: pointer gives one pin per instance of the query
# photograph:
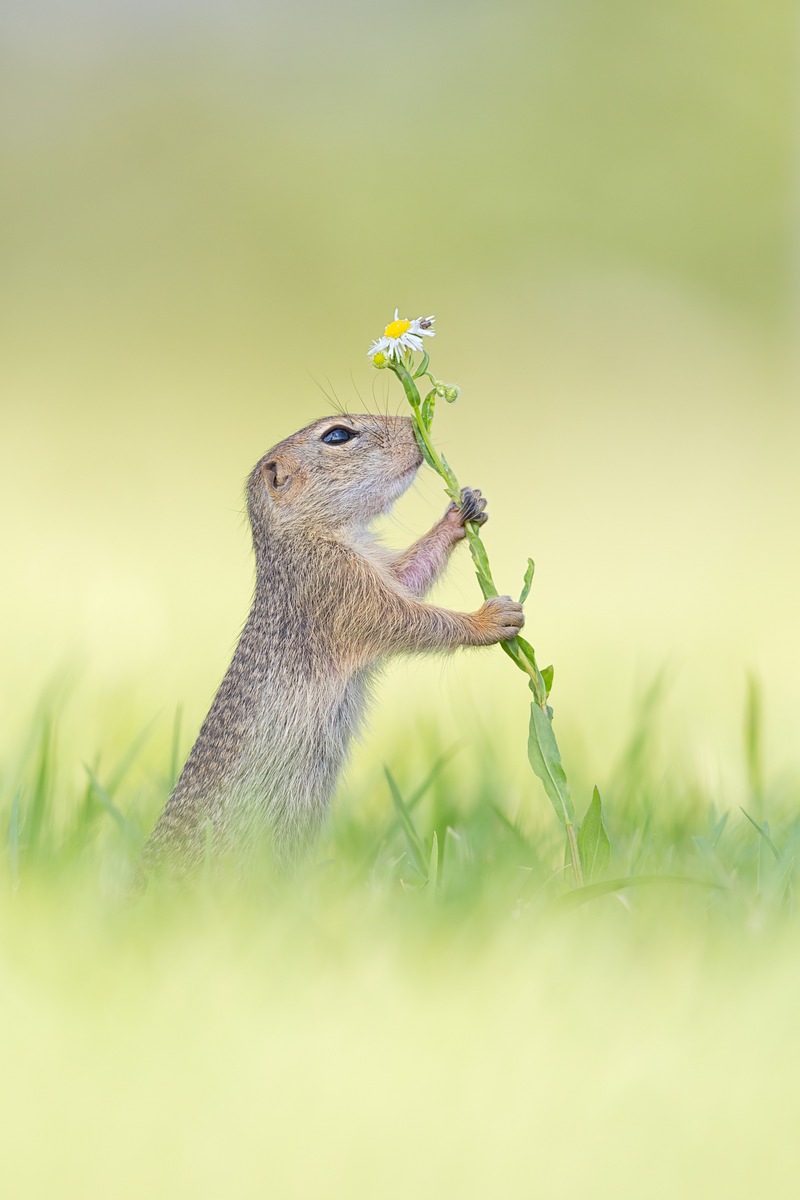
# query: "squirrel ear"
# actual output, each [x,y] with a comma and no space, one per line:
[274,480]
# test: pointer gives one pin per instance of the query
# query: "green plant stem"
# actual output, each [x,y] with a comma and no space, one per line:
[518,650]
[525,662]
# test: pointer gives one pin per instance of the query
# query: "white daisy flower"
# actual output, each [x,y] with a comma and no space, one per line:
[399,337]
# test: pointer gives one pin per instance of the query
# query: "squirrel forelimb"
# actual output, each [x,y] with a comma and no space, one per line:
[418,567]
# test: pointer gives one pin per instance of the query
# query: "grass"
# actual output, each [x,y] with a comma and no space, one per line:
[427,1007]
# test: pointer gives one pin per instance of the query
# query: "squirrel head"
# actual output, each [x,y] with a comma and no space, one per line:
[340,471]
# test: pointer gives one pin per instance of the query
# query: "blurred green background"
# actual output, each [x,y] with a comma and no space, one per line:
[210,210]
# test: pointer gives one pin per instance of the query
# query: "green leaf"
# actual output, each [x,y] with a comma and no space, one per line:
[479,556]
[527,581]
[448,474]
[547,676]
[545,760]
[426,454]
[540,690]
[527,650]
[593,843]
[416,851]
[426,411]
[480,561]
[409,387]
[488,589]
[423,366]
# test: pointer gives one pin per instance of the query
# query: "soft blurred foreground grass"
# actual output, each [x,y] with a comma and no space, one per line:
[393,1021]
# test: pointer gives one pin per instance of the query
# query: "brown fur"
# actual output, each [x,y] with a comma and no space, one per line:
[330,602]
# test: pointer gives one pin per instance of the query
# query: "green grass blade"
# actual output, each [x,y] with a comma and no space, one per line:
[85,817]
[718,829]
[604,887]
[41,796]
[128,759]
[783,885]
[753,725]
[433,864]
[508,824]
[420,791]
[103,798]
[416,850]
[593,842]
[763,832]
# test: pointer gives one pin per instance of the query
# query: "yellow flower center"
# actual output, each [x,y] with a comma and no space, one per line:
[379,359]
[396,329]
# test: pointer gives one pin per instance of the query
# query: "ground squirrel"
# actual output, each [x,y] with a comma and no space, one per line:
[330,602]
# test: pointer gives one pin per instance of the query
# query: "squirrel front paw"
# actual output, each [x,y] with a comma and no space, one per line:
[472,508]
[499,620]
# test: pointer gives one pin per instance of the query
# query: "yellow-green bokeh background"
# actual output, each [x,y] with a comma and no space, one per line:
[210,210]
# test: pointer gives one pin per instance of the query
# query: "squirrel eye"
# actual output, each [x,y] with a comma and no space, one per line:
[337,436]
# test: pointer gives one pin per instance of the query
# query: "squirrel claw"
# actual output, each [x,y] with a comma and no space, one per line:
[471,508]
